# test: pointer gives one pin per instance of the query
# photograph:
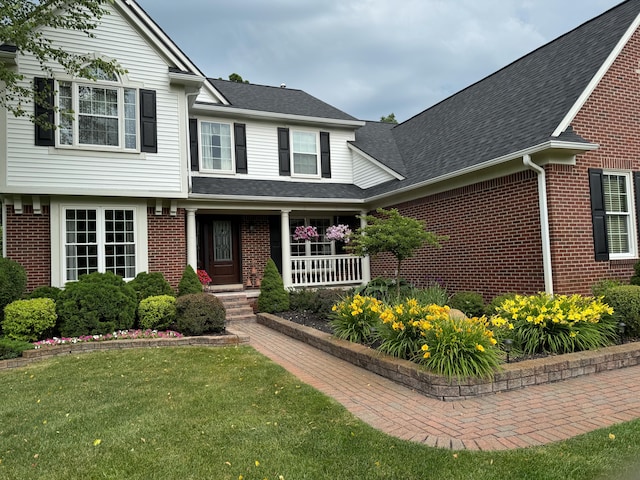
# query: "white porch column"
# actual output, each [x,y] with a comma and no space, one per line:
[366,261]
[286,249]
[192,241]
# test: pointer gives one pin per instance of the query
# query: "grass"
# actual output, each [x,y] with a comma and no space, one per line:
[230,413]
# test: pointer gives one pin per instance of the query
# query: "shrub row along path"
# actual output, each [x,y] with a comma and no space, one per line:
[534,415]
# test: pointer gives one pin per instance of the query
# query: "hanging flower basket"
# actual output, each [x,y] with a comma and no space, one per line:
[305,233]
[338,233]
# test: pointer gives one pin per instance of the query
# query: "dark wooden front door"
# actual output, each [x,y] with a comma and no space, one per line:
[220,249]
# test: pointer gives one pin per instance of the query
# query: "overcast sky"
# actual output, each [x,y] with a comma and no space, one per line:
[366,57]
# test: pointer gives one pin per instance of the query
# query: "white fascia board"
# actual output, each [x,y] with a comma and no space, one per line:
[378,164]
[206,108]
[571,114]
[186,79]
[163,43]
[551,144]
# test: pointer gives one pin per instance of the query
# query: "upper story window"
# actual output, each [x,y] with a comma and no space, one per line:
[99,114]
[216,146]
[619,214]
[305,153]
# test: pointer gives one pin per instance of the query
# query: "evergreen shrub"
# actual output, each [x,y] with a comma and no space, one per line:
[150,285]
[29,320]
[189,283]
[157,312]
[273,297]
[625,301]
[469,303]
[97,304]
[46,292]
[13,283]
[199,314]
[13,348]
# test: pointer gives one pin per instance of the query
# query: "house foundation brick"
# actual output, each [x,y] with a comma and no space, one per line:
[167,244]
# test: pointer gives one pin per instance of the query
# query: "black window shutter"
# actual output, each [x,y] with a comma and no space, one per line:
[598,215]
[148,122]
[193,145]
[284,157]
[44,134]
[239,132]
[636,190]
[325,155]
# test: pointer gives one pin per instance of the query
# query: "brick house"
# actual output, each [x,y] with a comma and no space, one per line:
[530,171]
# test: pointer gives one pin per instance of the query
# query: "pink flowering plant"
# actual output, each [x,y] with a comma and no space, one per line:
[204,277]
[338,233]
[118,335]
[305,233]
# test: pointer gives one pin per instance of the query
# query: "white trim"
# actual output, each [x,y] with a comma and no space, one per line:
[230,171]
[292,153]
[571,114]
[288,200]
[378,164]
[550,144]
[208,108]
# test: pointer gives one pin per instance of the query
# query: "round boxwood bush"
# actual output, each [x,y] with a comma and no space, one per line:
[13,282]
[29,320]
[96,304]
[470,303]
[157,312]
[199,314]
[273,297]
[189,283]
[46,292]
[625,301]
[150,285]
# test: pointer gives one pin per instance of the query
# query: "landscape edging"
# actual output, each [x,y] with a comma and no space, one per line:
[512,376]
[230,338]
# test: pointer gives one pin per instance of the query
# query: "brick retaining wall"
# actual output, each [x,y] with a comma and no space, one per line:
[30,356]
[511,377]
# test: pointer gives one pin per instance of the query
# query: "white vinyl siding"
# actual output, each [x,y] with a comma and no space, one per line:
[618,203]
[366,174]
[50,170]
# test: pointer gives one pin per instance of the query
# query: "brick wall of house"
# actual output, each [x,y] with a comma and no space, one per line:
[256,250]
[29,243]
[494,242]
[167,244]
[610,118]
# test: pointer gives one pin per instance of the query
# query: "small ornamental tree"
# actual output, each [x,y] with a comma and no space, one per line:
[189,283]
[390,232]
[273,297]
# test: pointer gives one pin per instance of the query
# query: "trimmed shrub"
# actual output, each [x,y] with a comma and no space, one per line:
[635,279]
[150,285]
[599,289]
[13,348]
[13,283]
[199,314]
[157,312]
[302,300]
[96,304]
[469,303]
[46,292]
[317,301]
[189,283]
[625,301]
[273,297]
[29,320]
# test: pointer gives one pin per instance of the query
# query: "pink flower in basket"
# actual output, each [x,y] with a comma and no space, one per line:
[305,233]
[338,233]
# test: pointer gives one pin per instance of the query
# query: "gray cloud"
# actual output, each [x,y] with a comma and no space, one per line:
[366,57]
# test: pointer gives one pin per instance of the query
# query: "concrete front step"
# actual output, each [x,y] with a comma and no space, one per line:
[237,306]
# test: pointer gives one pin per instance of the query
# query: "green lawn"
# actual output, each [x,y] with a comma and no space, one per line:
[223,413]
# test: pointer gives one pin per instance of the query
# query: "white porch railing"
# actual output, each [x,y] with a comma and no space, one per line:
[326,270]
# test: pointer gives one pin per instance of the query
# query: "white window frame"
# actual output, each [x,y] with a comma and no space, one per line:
[58,235]
[308,244]
[201,146]
[117,85]
[317,153]
[630,215]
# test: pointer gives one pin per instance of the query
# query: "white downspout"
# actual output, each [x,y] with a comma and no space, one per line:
[544,223]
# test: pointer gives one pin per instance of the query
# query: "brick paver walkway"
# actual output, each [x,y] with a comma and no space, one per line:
[534,415]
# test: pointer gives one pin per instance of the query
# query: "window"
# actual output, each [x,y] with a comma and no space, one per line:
[305,153]
[617,204]
[101,113]
[216,146]
[319,246]
[99,240]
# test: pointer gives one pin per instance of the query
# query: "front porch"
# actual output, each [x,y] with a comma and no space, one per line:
[234,248]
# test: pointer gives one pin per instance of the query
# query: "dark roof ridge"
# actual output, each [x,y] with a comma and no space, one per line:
[256,84]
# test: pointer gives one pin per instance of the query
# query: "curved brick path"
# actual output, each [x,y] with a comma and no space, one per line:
[531,416]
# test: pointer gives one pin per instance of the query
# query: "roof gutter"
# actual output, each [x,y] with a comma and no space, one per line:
[544,222]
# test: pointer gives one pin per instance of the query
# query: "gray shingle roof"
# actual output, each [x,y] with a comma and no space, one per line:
[515,108]
[275,188]
[276,100]
[376,140]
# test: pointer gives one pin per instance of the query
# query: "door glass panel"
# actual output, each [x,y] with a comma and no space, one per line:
[222,241]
